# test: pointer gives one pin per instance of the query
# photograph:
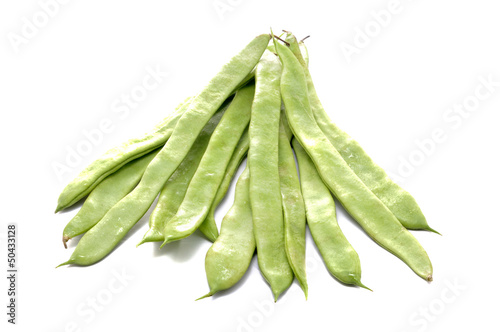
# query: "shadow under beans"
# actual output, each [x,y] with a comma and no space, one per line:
[181,250]
[72,243]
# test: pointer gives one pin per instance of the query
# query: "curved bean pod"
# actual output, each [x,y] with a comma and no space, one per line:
[339,256]
[105,195]
[294,214]
[398,200]
[117,157]
[103,237]
[375,218]
[174,190]
[238,155]
[265,197]
[203,187]
[228,258]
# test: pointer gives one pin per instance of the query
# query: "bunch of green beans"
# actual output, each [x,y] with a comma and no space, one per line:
[263,104]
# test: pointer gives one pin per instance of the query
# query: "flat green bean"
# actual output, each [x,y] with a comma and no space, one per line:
[105,195]
[103,237]
[265,197]
[339,256]
[398,200]
[294,214]
[115,158]
[228,258]
[174,190]
[239,154]
[203,187]
[373,216]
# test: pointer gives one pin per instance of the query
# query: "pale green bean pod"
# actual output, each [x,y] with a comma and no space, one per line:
[105,195]
[294,214]
[239,154]
[208,176]
[174,190]
[103,237]
[375,218]
[228,258]
[117,157]
[265,196]
[339,256]
[398,200]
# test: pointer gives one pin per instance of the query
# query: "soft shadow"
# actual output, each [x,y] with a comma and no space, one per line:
[72,243]
[182,250]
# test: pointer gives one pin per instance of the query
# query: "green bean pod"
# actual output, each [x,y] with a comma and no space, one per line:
[265,196]
[369,211]
[103,237]
[398,200]
[340,258]
[203,187]
[174,190]
[117,157]
[228,258]
[105,195]
[294,214]
[239,154]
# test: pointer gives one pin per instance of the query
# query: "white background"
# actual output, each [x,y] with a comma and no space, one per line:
[396,90]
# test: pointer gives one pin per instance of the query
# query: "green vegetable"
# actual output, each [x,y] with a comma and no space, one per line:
[339,256]
[174,190]
[265,197]
[190,158]
[239,154]
[229,257]
[294,213]
[115,158]
[102,238]
[209,175]
[105,195]
[375,218]
[399,201]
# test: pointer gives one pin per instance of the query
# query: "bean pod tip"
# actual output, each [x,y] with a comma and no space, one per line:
[209,294]
[65,263]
